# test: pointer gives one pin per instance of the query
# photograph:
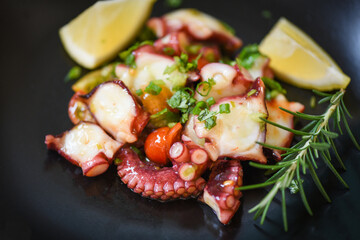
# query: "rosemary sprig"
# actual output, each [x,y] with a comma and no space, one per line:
[317,139]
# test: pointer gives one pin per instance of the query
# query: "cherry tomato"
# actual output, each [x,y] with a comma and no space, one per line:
[155,146]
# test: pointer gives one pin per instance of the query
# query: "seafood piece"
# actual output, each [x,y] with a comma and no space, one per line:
[117,111]
[229,81]
[276,136]
[220,192]
[173,43]
[154,182]
[150,66]
[198,25]
[78,110]
[261,68]
[86,145]
[236,133]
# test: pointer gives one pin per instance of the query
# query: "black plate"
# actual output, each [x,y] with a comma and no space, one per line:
[45,197]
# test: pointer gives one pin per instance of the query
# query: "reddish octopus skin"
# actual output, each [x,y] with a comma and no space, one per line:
[76,107]
[220,192]
[154,182]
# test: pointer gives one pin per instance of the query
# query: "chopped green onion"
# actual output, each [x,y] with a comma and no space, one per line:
[205,90]
[173,3]
[210,101]
[170,125]
[224,108]
[160,113]
[139,92]
[128,57]
[251,92]
[273,88]
[198,107]
[193,49]
[169,51]
[73,74]
[210,122]
[247,56]
[170,69]
[117,161]
[130,60]
[153,88]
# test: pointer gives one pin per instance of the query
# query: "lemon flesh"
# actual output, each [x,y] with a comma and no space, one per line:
[102,30]
[298,60]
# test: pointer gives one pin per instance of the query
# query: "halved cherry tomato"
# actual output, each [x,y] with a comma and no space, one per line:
[155,146]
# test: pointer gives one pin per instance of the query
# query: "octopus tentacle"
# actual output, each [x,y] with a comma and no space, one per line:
[220,192]
[78,110]
[198,25]
[150,181]
[116,110]
[85,145]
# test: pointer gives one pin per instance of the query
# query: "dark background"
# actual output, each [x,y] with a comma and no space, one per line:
[44,197]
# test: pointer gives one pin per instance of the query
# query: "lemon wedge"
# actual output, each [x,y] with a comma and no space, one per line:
[299,60]
[102,30]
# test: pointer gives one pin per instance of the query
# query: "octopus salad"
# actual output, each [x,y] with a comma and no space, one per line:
[177,115]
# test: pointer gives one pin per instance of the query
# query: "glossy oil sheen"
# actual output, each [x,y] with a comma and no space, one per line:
[42,196]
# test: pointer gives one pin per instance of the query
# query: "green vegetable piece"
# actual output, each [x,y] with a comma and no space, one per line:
[251,92]
[210,122]
[194,49]
[198,107]
[169,51]
[73,74]
[117,161]
[224,108]
[247,56]
[210,101]
[173,3]
[139,92]
[128,57]
[153,88]
[272,88]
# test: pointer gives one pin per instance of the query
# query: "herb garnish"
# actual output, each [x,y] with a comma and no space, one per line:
[173,3]
[74,73]
[153,88]
[169,51]
[184,101]
[128,57]
[247,56]
[206,87]
[317,140]
[139,92]
[182,65]
[272,88]
[165,117]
